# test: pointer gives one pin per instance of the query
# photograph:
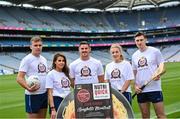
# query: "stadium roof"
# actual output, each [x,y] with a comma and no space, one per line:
[97,4]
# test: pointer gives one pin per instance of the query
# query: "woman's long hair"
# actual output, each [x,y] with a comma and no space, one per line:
[65,69]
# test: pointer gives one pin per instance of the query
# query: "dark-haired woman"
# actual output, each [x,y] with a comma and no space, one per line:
[57,83]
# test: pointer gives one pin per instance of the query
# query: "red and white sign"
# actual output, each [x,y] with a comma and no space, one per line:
[101,91]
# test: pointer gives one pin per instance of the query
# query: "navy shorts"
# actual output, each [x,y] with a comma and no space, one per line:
[34,103]
[57,102]
[128,96]
[154,97]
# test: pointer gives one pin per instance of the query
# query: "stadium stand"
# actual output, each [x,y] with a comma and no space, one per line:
[170,51]
[35,18]
[175,57]
[9,62]
[63,31]
[51,42]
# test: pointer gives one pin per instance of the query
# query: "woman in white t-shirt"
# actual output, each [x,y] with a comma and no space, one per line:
[57,83]
[119,72]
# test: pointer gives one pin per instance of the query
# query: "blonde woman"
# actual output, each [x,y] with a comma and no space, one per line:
[119,72]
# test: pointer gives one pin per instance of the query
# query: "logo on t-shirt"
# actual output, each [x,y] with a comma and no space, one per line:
[65,82]
[142,62]
[41,68]
[85,71]
[116,73]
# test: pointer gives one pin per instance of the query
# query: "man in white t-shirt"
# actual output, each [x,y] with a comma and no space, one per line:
[86,69]
[148,64]
[36,95]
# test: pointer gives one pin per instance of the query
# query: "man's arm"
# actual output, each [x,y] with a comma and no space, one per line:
[72,82]
[22,82]
[159,71]
[136,87]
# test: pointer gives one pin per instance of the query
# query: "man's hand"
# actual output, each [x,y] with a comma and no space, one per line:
[159,71]
[156,77]
[137,89]
[33,88]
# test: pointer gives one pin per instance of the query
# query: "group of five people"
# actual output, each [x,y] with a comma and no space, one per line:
[56,83]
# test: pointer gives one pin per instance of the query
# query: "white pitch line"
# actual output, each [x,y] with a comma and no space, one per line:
[11,106]
[173,79]
[169,109]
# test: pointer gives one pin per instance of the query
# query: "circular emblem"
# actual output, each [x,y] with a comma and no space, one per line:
[83,95]
[65,83]
[116,73]
[41,68]
[85,71]
[142,62]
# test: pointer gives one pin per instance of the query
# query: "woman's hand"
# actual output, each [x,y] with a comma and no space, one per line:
[53,113]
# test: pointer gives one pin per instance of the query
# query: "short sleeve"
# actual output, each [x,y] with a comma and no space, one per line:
[49,81]
[159,57]
[24,65]
[100,69]
[129,72]
[133,64]
[71,72]
[106,73]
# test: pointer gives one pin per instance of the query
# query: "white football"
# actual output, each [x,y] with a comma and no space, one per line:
[31,80]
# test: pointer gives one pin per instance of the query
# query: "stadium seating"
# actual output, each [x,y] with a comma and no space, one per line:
[175,57]
[68,42]
[130,20]
[10,61]
[90,22]
[170,51]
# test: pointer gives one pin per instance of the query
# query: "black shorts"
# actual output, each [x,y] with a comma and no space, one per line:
[36,102]
[154,97]
[127,95]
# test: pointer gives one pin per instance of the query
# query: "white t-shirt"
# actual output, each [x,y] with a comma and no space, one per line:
[86,72]
[33,65]
[146,63]
[118,73]
[59,82]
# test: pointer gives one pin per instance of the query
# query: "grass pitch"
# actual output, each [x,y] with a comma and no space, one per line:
[12,95]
